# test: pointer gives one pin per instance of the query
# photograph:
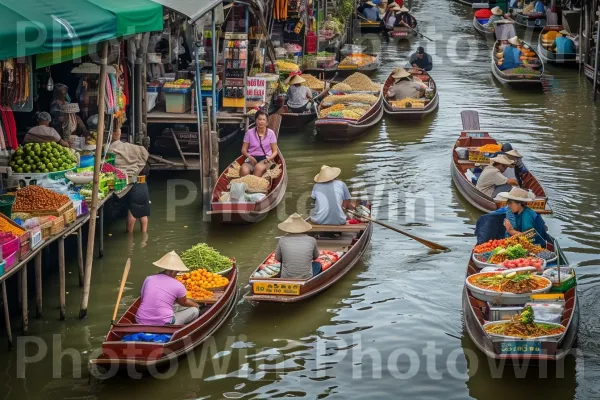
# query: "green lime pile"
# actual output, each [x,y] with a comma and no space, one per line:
[42,158]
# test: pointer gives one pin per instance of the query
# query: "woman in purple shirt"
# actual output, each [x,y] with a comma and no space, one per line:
[259,147]
[164,300]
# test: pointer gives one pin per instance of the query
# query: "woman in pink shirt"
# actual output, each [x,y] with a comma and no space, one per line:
[164,300]
[259,147]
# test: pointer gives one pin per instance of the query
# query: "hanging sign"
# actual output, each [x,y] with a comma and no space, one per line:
[256,89]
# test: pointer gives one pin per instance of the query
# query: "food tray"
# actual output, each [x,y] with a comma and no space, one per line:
[548,338]
[70,216]
[504,298]
[481,264]
[79,179]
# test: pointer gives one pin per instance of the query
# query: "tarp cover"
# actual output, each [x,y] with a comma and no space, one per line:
[29,27]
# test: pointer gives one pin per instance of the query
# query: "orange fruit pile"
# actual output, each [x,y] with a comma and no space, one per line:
[202,279]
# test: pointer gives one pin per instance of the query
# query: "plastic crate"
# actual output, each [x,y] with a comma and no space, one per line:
[36,237]
[86,161]
[24,237]
[11,261]
[6,203]
[110,158]
[11,247]
[70,216]
[178,103]
[25,248]
[120,184]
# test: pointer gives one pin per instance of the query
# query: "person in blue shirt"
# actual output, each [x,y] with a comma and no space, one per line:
[562,44]
[512,55]
[520,218]
[539,7]
[519,168]
[369,11]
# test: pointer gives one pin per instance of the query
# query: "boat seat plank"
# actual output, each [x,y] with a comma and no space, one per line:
[339,228]
[135,328]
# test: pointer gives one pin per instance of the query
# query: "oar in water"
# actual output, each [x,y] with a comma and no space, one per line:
[123,280]
[418,33]
[427,243]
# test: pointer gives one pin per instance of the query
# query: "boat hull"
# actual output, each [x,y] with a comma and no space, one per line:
[537,22]
[410,113]
[515,82]
[486,32]
[566,60]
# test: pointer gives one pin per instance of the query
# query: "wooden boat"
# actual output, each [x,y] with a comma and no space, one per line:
[184,338]
[345,130]
[412,113]
[353,242]
[535,21]
[367,26]
[403,33]
[293,121]
[477,313]
[550,56]
[518,81]
[486,31]
[246,213]
[462,169]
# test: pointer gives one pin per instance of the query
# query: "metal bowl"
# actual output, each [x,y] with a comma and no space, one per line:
[547,338]
[503,297]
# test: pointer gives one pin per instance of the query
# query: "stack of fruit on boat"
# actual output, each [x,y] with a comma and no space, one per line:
[408,103]
[513,252]
[357,60]
[287,66]
[357,82]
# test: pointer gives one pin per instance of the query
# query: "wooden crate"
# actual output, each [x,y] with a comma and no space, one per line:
[46,229]
[56,213]
[58,225]
[70,216]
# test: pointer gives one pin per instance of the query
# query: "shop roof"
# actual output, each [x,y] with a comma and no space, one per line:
[29,27]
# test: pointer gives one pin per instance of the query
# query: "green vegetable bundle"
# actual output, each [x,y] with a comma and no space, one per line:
[516,251]
[204,256]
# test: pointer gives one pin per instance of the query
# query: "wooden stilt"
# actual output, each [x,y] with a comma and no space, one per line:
[89,256]
[80,255]
[101,233]
[38,283]
[25,310]
[179,148]
[19,289]
[62,277]
[6,315]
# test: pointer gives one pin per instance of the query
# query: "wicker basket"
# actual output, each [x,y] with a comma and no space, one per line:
[46,229]
[58,225]
[57,213]
[70,216]
[478,157]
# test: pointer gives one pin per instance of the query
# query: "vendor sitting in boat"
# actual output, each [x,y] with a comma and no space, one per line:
[382,9]
[511,54]
[495,17]
[259,147]
[562,44]
[331,198]
[404,86]
[369,10]
[420,59]
[296,251]
[405,19]
[389,19]
[520,218]
[491,181]
[164,300]
[519,168]
[299,97]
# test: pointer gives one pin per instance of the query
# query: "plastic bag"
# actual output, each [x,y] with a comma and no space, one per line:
[548,312]
[58,186]
[237,191]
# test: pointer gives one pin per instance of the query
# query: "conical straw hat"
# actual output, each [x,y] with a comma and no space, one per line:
[171,262]
[518,194]
[295,224]
[327,174]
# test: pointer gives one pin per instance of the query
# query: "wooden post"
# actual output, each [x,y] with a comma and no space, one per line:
[80,255]
[205,164]
[101,232]
[581,45]
[596,63]
[25,310]
[38,283]
[6,315]
[62,277]
[178,148]
[89,256]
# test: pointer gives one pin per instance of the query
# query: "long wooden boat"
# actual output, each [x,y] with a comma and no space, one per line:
[550,56]
[535,21]
[353,242]
[184,338]
[293,121]
[477,313]
[403,33]
[249,212]
[462,174]
[347,70]
[367,26]
[518,82]
[412,113]
[486,31]
[345,130]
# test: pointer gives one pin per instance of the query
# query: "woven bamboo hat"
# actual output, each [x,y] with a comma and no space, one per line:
[496,10]
[514,41]
[294,80]
[400,73]
[404,9]
[518,194]
[394,7]
[508,150]
[564,32]
[70,108]
[502,159]
[171,262]
[327,174]
[295,224]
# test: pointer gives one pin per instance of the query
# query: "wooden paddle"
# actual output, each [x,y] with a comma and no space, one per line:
[417,32]
[427,243]
[123,280]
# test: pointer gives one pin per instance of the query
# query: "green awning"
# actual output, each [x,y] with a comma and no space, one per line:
[29,27]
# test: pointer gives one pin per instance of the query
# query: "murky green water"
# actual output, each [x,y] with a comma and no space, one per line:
[392,327]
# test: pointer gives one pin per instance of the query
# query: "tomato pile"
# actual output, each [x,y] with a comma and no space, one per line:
[489,246]
[524,262]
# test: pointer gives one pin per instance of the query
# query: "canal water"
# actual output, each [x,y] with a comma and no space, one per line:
[392,328]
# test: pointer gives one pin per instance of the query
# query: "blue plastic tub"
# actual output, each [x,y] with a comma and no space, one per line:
[86,161]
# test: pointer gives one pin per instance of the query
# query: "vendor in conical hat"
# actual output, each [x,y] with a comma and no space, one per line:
[405,19]
[511,55]
[492,181]
[369,11]
[298,96]
[164,300]
[495,17]
[404,86]
[563,44]
[331,197]
[296,250]
[520,218]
